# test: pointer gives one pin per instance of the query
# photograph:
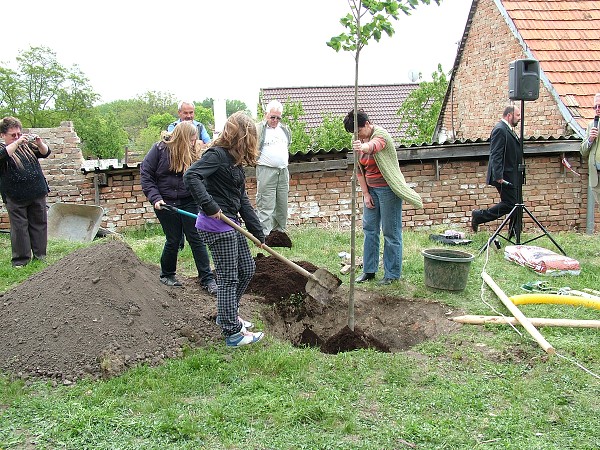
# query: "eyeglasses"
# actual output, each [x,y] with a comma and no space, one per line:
[15,135]
[596,106]
[275,117]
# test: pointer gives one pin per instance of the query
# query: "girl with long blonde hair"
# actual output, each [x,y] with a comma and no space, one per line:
[181,155]
[161,175]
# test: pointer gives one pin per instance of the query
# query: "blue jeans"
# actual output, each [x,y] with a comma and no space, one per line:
[386,215]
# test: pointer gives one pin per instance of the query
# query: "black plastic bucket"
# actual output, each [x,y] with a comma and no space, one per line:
[447,269]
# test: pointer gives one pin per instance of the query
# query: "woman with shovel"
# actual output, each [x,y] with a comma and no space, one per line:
[218,184]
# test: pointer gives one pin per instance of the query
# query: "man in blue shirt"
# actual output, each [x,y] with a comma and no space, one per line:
[185,111]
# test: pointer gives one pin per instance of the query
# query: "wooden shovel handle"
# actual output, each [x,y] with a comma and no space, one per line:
[282,258]
[250,236]
[246,233]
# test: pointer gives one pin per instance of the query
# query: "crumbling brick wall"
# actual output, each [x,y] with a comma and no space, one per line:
[323,197]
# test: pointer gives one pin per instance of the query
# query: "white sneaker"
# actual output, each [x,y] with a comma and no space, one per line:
[247,325]
[243,338]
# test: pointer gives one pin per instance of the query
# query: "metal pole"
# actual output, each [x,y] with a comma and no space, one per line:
[518,222]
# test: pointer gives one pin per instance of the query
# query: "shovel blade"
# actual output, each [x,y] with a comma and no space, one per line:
[322,286]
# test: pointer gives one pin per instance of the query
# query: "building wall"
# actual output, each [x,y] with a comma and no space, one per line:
[480,84]
[555,196]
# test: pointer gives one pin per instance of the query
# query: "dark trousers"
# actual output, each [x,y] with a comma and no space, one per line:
[28,229]
[508,200]
[175,225]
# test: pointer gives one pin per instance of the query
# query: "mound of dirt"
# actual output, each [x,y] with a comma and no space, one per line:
[276,281]
[96,312]
[100,310]
[278,239]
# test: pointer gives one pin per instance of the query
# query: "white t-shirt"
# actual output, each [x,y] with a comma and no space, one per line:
[274,152]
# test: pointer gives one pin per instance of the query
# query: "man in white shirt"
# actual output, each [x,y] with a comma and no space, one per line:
[272,175]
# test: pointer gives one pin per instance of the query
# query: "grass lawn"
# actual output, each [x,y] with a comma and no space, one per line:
[484,387]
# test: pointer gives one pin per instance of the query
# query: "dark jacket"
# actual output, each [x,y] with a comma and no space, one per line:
[24,183]
[158,181]
[504,155]
[216,184]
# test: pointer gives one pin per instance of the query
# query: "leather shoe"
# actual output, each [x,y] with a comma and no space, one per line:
[170,281]
[474,224]
[365,277]
[385,281]
[211,287]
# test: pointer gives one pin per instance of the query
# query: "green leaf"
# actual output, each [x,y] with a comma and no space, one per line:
[335,43]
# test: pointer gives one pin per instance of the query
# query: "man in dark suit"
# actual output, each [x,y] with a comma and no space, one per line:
[503,171]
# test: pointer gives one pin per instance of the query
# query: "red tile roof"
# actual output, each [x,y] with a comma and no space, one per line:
[564,36]
[380,102]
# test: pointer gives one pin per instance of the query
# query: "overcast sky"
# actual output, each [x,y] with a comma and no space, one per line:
[226,48]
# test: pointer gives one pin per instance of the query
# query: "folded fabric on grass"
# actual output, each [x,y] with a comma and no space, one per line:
[542,260]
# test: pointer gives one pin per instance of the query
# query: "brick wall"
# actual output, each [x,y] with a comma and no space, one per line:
[480,84]
[122,198]
[554,195]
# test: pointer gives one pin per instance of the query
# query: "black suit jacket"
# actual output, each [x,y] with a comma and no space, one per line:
[504,155]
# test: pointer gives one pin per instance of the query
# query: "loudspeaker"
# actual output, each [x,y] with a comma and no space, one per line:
[524,79]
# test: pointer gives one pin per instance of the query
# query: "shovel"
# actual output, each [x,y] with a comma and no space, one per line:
[320,285]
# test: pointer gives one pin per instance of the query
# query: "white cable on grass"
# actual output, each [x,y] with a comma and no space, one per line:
[581,366]
[483,285]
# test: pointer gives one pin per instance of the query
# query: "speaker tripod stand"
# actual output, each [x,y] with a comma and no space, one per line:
[515,217]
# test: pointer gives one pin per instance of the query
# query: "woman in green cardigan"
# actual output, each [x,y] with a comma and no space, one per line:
[384,188]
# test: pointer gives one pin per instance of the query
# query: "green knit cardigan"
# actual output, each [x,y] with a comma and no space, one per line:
[387,161]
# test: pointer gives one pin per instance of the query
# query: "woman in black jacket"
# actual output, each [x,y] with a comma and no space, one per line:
[24,190]
[161,175]
[218,184]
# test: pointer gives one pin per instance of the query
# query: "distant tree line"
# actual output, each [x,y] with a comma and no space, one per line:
[42,93]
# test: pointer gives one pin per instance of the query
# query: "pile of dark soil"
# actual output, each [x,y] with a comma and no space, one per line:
[347,339]
[276,281]
[278,239]
[100,311]
[96,312]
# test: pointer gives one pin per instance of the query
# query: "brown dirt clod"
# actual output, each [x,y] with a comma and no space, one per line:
[278,239]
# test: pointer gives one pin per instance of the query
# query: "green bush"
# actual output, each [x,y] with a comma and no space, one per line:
[102,136]
[331,134]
